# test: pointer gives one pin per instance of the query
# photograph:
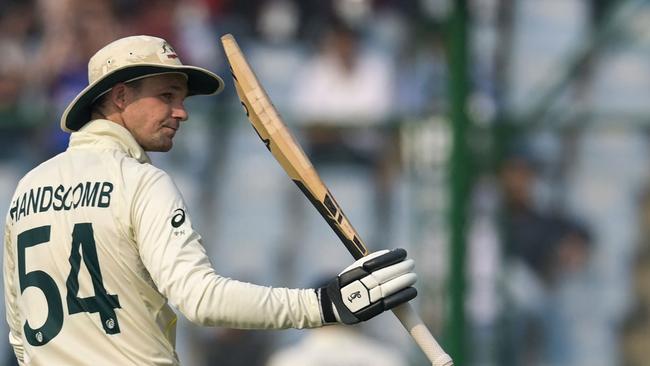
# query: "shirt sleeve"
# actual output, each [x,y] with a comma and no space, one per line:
[173,254]
[11,295]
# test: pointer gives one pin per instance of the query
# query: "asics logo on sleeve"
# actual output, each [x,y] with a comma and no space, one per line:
[179,217]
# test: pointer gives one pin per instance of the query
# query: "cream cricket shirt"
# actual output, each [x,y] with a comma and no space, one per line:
[97,242]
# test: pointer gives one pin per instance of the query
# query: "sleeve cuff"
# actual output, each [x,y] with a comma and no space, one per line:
[326,307]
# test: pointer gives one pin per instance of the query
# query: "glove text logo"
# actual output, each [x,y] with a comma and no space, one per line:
[354,295]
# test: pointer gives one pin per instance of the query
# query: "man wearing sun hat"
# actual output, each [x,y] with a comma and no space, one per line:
[99,242]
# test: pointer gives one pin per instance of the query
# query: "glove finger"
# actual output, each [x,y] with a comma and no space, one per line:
[393,286]
[384,260]
[386,274]
[361,262]
[399,298]
[390,302]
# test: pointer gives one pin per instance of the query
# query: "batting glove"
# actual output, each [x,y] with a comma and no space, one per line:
[368,287]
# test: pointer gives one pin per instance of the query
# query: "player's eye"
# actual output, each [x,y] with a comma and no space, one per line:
[167,96]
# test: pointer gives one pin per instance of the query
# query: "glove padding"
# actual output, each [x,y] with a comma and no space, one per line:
[368,287]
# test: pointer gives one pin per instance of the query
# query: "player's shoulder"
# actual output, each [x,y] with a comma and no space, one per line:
[40,172]
[148,181]
[143,172]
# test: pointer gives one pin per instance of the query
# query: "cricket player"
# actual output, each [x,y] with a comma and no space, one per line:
[99,243]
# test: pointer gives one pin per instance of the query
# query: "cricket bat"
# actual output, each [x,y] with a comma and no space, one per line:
[278,140]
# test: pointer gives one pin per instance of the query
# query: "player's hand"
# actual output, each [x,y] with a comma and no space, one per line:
[368,287]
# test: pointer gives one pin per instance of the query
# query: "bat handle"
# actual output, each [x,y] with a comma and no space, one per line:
[415,326]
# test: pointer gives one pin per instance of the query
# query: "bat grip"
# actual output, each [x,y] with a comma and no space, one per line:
[415,326]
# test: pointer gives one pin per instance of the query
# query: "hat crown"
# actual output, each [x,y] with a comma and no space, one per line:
[129,59]
[131,51]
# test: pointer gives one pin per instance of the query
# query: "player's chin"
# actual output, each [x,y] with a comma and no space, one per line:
[166,145]
[166,140]
[163,144]
[166,148]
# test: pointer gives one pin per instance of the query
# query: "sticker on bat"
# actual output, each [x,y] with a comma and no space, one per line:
[329,203]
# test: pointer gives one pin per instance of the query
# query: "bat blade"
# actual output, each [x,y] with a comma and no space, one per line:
[271,129]
[280,142]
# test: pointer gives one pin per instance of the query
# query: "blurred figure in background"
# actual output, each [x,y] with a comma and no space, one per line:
[541,250]
[236,347]
[75,30]
[21,110]
[276,52]
[342,101]
[337,346]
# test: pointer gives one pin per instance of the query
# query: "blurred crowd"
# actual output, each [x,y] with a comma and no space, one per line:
[46,45]
[558,253]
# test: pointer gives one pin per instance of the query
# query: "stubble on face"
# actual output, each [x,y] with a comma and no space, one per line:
[155,111]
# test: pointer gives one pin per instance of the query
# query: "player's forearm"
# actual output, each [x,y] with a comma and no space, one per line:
[190,283]
[235,304]
[179,266]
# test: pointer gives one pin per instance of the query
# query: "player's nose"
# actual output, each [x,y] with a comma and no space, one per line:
[180,113]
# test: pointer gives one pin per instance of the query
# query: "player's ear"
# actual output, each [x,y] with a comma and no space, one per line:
[118,96]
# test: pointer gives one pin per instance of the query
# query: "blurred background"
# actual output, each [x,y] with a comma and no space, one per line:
[503,143]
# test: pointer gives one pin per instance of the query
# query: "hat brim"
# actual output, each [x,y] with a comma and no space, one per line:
[199,82]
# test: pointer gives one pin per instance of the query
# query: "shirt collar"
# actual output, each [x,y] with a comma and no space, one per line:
[108,134]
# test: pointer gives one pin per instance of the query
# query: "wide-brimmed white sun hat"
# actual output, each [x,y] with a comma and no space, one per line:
[129,59]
